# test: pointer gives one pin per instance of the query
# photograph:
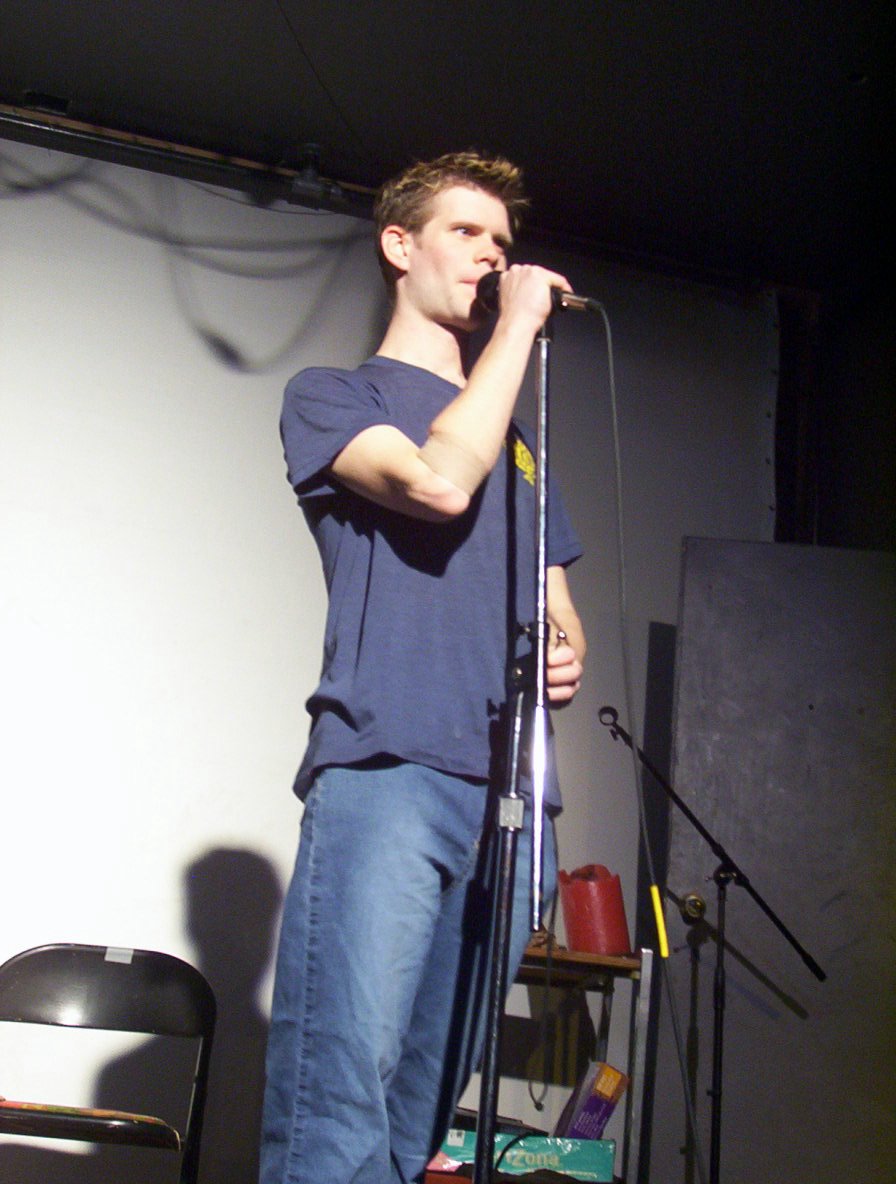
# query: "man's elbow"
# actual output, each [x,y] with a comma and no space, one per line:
[447,504]
[434,497]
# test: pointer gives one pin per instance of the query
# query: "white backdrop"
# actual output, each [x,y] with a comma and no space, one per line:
[161,607]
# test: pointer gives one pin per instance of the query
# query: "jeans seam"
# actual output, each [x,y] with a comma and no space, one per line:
[309,993]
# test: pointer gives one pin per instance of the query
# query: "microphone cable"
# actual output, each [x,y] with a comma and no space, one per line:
[656,900]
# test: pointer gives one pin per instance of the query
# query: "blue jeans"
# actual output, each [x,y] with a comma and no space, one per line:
[382,973]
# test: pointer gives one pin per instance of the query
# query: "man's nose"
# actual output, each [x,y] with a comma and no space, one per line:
[490,252]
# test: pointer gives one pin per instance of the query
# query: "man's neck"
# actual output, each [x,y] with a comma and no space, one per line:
[421,342]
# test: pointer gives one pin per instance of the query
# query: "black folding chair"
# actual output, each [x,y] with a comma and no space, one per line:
[79,986]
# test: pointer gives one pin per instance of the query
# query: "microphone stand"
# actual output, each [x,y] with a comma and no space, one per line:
[523,678]
[726,873]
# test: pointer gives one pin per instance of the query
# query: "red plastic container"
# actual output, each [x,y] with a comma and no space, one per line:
[594,911]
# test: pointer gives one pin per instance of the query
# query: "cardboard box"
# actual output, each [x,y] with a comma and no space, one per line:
[588,1160]
[594,1100]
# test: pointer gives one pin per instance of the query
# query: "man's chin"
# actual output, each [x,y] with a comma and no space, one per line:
[467,322]
[477,316]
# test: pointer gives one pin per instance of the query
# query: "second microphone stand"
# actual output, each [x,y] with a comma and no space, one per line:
[726,873]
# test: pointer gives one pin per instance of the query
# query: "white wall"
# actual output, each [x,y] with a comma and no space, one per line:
[161,606]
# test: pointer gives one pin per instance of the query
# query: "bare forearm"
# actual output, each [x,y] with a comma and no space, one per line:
[479,416]
[481,412]
[437,481]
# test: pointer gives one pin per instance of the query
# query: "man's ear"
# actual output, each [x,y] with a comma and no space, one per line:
[395,241]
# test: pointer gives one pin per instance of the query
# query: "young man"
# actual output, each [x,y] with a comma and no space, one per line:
[418,489]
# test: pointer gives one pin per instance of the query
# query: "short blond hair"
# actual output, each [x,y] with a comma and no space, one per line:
[406,200]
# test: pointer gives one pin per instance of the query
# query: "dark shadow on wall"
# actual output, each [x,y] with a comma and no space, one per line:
[232,903]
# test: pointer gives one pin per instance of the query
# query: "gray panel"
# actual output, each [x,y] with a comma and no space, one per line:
[784,748]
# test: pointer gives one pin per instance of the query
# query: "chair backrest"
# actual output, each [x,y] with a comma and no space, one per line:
[81,986]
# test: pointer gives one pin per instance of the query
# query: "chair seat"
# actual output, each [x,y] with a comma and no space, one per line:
[92,1126]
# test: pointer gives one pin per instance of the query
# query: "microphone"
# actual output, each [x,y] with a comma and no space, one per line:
[488,298]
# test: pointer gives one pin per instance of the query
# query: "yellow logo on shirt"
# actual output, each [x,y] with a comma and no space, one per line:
[524,460]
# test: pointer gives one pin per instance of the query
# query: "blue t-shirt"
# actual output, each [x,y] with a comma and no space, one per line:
[420,613]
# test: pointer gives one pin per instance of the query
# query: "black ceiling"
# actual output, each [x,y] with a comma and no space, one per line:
[749,140]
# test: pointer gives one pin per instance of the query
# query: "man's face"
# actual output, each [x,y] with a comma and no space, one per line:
[466,236]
